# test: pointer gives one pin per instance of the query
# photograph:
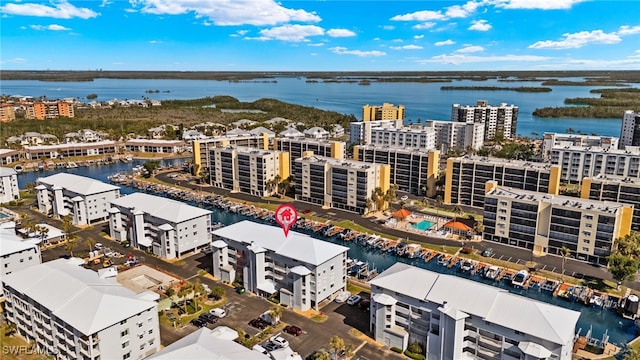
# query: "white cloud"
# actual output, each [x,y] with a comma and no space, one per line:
[446,42]
[578,40]
[52,27]
[315,44]
[406,47]
[340,33]
[227,13]
[59,10]
[423,26]
[292,32]
[417,37]
[470,49]
[344,51]
[458,59]
[105,3]
[155,42]
[17,60]
[388,27]
[536,4]
[480,25]
[425,15]
[462,11]
[258,38]
[628,30]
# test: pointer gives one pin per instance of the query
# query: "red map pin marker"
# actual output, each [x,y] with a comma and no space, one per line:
[286,215]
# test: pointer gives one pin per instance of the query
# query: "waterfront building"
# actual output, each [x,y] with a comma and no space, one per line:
[85,136]
[579,162]
[41,110]
[630,130]
[74,313]
[155,146]
[304,271]
[498,120]
[248,170]
[552,140]
[201,148]
[316,132]
[466,178]
[415,137]
[298,146]
[9,190]
[360,131]
[7,113]
[614,188]
[341,184]
[165,227]
[412,170]
[84,199]
[106,147]
[451,136]
[32,138]
[545,223]
[206,343]
[8,156]
[16,253]
[456,318]
[386,111]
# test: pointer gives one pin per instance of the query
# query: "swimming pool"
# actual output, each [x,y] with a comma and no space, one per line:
[423,225]
[3,215]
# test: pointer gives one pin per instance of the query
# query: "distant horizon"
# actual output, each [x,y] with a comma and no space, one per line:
[325,71]
[322,36]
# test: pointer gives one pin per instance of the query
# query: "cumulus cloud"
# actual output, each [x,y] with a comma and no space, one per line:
[52,27]
[155,42]
[426,25]
[58,9]
[418,36]
[388,27]
[470,49]
[457,59]
[446,42]
[628,30]
[424,15]
[228,13]
[480,25]
[536,4]
[294,33]
[406,47]
[578,40]
[462,11]
[344,51]
[340,33]
[315,44]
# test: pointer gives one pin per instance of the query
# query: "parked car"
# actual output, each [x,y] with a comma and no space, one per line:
[98,246]
[210,318]
[342,296]
[354,299]
[240,290]
[197,323]
[364,304]
[258,324]
[293,330]
[404,198]
[218,312]
[487,252]
[279,341]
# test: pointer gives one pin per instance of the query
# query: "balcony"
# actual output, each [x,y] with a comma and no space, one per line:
[489,343]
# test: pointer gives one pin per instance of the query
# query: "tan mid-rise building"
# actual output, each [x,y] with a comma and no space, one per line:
[7,113]
[385,111]
[42,110]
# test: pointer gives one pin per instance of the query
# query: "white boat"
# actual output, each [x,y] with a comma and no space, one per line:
[71,165]
[467,265]
[520,278]
[492,272]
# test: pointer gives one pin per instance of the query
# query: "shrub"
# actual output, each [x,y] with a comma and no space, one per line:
[396,349]
[414,356]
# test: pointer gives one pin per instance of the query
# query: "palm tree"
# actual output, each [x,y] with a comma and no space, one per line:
[185,290]
[369,205]
[70,245]
[564,252]
[42,231]
[336,344]
[276,313]
[198,292]
[457,211]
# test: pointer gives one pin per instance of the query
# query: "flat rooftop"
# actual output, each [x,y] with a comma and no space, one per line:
[78,184]
[337,162]
[502,162]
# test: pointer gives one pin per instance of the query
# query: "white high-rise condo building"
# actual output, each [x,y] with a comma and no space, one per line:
[578,162]
[72,313]
[498,120]
[553,140]
[9,190]
[630,131]
[455,318]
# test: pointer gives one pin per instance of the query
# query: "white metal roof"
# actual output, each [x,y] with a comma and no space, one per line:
[82,299]
[208,344]
[296,246]
[77,184]
[162,208]
[494,305]
[4,171]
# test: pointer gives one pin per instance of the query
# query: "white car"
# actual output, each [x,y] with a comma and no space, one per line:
[342,297]
[280,341]
[218,312]
[404,198]
[98,246]
[354,299]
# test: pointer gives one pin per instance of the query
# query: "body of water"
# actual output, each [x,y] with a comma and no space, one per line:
[600,320]
[424,101]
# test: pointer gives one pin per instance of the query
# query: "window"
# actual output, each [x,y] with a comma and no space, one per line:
[126,356]
[142,346]
[125,344]
[124,332]
[150,331]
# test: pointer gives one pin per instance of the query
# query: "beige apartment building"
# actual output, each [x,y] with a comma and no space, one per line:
[386,111]
[614,188]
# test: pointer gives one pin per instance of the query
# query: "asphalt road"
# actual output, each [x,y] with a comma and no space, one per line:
[574,268]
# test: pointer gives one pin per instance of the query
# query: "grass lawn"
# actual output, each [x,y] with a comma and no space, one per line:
[355,289]
[16,348]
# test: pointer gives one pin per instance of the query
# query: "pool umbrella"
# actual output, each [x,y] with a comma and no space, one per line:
[401,214]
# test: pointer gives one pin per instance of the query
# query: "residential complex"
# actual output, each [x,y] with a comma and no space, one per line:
[466,178]
[16,253]
[553,140]
[72,313]
[7,113]
[296,146]
[498,120]
[545,223]
[247,170]
[41,110]
[201,148]
[385,111]
[418,137]
[614,188]
[155,146]
[412,170]
[84,199]
[168,228]
[360,131]
[630,130]
[579,162]
[456,318]
[342,184]
[451,135]
[304,271]
[9,190]
[8,156]
[106,147]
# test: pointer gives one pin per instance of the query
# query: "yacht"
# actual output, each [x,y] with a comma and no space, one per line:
[520,278]
[71,165]
[492,272]
[467,265]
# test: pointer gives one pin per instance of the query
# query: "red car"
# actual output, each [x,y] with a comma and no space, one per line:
[292,330]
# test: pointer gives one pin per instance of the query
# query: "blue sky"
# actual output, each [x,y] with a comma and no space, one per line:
[330,35]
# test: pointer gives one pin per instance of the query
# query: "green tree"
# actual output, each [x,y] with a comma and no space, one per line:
[217,293]
[184,291]
[336,344]
[198,293]
[151,166]
[321,355]
[42,231]
[622,267]
[565,252]
[631,353]
[70,245]
[415,348]
[276,313]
